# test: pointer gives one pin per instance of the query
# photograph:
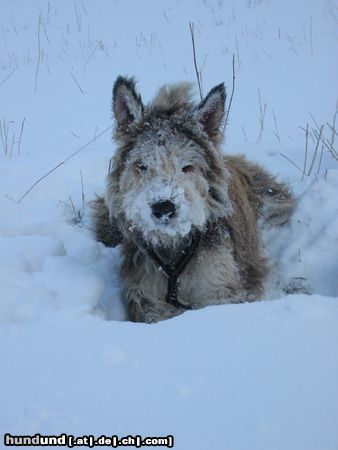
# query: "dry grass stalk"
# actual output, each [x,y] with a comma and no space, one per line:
[21,131]
[293,163]
[90,56]
[311,38]
[78,18]
[77,83]
[4,136]
[306,148]
[39,56]
[262,111]
[333,127]
[329,144]
[82,192]
[8,137]
[198,73]
[78,212]
[320,160]
[8,76]
[245,136]
[326,144]
[232,92]
[237,51]
[12,145]
[318,136]
[276,132]
[62,162]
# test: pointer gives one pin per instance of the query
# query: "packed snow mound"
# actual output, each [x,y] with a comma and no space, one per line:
[305,251]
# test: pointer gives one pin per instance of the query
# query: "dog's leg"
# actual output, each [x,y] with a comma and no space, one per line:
[106,228]
[143,310]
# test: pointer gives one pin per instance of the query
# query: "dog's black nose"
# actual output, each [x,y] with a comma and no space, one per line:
[163,208]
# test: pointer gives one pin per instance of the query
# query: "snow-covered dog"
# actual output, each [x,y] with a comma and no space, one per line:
[187,216]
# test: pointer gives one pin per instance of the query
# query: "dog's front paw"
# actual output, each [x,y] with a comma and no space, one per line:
[151,312]
[136,312]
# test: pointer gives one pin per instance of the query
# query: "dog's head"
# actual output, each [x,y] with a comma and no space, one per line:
[168,176]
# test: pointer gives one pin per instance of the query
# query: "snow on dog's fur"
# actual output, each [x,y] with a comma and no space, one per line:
[168,181]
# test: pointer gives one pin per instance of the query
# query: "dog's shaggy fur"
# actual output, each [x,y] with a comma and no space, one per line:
[169,180]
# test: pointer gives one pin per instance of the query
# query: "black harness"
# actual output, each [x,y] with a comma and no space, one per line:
[173,271]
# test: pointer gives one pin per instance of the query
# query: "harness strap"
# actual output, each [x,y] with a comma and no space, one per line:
[174,271]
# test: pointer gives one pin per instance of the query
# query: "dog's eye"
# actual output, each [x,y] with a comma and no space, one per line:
[140,166]
[188,169]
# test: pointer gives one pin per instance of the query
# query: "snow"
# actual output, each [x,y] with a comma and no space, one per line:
[139,211]
[259,376]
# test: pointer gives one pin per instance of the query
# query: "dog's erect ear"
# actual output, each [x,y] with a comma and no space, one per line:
[127,103]
[210,111]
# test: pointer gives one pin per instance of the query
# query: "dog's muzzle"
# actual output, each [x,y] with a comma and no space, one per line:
[163,209]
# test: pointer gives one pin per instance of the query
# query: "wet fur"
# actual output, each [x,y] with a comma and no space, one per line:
[241,199]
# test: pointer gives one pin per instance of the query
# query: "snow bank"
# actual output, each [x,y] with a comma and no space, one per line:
[260,375]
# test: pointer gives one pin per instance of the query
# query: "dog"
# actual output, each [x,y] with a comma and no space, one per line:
[188,217]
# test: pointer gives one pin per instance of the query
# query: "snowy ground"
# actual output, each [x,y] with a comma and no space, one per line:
[253,376]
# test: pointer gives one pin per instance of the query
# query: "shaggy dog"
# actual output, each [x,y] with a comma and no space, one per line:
[188,217]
